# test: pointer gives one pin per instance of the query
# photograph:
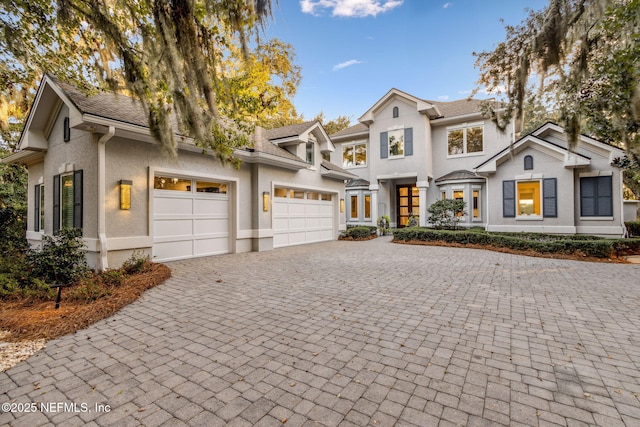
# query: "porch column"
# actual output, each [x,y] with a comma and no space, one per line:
[374,203]
[422,190]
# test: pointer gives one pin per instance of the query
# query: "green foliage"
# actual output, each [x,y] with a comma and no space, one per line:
[11,286]
[543,243]
[413,221]
[633,228]
[384,225]
[360,232]
[13,232]
[89,289]
[114,277]
[61,260]
[446,213]
[137,263]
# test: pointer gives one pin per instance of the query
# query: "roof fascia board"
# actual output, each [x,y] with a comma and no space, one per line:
[454,119]
[269,159]
[367,117]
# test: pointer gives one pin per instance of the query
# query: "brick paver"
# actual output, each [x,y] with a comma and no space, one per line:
[353,333]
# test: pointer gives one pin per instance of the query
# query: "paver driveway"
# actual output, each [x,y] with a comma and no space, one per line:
[353,333]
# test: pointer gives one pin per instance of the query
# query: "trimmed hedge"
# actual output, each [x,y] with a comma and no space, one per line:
[633,228]
[360,232]
[543,243]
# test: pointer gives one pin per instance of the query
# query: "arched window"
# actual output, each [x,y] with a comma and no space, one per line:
[528,163]
[396,112]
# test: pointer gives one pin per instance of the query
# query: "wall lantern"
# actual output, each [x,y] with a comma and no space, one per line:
[265,201]
[125,194]
[341,205]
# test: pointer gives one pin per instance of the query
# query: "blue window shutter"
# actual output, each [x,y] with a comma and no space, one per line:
[36,211]
[384,145]
[549,198]
[56,203]
[605,199]
[509,199]
[77,199]
[587,197]
[408,142]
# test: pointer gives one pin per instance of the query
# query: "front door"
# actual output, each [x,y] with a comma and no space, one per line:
[408,201]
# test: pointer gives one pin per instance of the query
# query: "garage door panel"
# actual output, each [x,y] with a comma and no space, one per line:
[173,227]
[211,225]
[167,251]
[297,209]
[203,206]
[172,206]
[299,221]
[211,246]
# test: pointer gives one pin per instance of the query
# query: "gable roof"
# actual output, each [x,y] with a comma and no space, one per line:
[289,131]
[422,106]
[460,107]
[334,171]
[352,131]
[458,175]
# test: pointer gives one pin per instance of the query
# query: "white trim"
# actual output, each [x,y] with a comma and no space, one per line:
[595,173]
[464,127]
[133,242]
[613,230]
[397,175]
[255,234]
[548,229]
[596,218]
[529,177]
[353,145]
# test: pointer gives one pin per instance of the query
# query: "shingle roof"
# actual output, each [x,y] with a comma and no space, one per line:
[459,175]
[458,107]
[288,131]
[357,128]
[358,182]
[267,147]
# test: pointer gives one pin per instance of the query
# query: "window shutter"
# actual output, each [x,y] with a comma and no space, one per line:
[604,193]
[36,211]
[587,197]
[509,199]
[77,199]
[384,145]
[549,198]
[56,203]
[408,142]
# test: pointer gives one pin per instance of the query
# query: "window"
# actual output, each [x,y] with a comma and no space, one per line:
[354,155]
[458,195]
[211,187]
[325,196]
[396,112]
[171,183]
[354,207]
[476,204]
[468,140]
[596,196]
[396,143]
[367,206]
[280,192]
[67,201]
[443,195]
[528,163]
[312,195]
[38,222]
[310,153]
[296,194]
[528,198]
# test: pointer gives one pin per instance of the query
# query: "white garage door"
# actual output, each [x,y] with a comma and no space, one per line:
[190,218]
[301,216]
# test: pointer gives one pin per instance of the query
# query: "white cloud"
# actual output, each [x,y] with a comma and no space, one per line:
[350,8]
[346,64]
[447,5]
[443,97]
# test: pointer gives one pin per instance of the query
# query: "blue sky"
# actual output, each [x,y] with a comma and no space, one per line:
[353,51]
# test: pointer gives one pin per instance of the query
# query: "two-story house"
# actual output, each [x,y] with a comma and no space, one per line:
[409,152]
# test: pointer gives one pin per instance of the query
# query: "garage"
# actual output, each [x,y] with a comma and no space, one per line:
[190,218]
[302,216]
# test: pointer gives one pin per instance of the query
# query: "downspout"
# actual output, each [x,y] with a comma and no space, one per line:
[102,213]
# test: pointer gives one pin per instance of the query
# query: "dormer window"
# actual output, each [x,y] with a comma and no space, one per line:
[310,153]
[396,112]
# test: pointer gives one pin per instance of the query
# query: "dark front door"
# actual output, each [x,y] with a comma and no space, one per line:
[408,203]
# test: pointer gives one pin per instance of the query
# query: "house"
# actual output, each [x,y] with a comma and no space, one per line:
[92,164]
[408,153]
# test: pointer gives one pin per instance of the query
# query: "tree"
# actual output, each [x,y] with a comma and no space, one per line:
[167,54]
[584,53]
[446,213]
[335,125]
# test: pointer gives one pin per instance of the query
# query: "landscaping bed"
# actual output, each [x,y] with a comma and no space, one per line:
[534,244]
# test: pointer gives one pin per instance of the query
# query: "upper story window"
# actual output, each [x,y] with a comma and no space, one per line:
[310,153]
[396,112]
[354,155]
[528,163]
[396,143]
[466,140]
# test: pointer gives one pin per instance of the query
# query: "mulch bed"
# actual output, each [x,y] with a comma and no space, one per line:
[27,319]
[575,256]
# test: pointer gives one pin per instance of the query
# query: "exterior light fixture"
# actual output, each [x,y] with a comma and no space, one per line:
[125,194]
[341,205]
[265,201]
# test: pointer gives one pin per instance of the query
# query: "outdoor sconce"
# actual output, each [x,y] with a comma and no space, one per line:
[341,205]
[265,201]
[125,194]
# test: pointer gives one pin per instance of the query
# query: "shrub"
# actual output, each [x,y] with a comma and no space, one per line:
[61,260]
[633,228]
[360,232]
[384,225]
[446,213]
[114,277]
[89,289]
[413,221]
[542,243]
[137,263]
